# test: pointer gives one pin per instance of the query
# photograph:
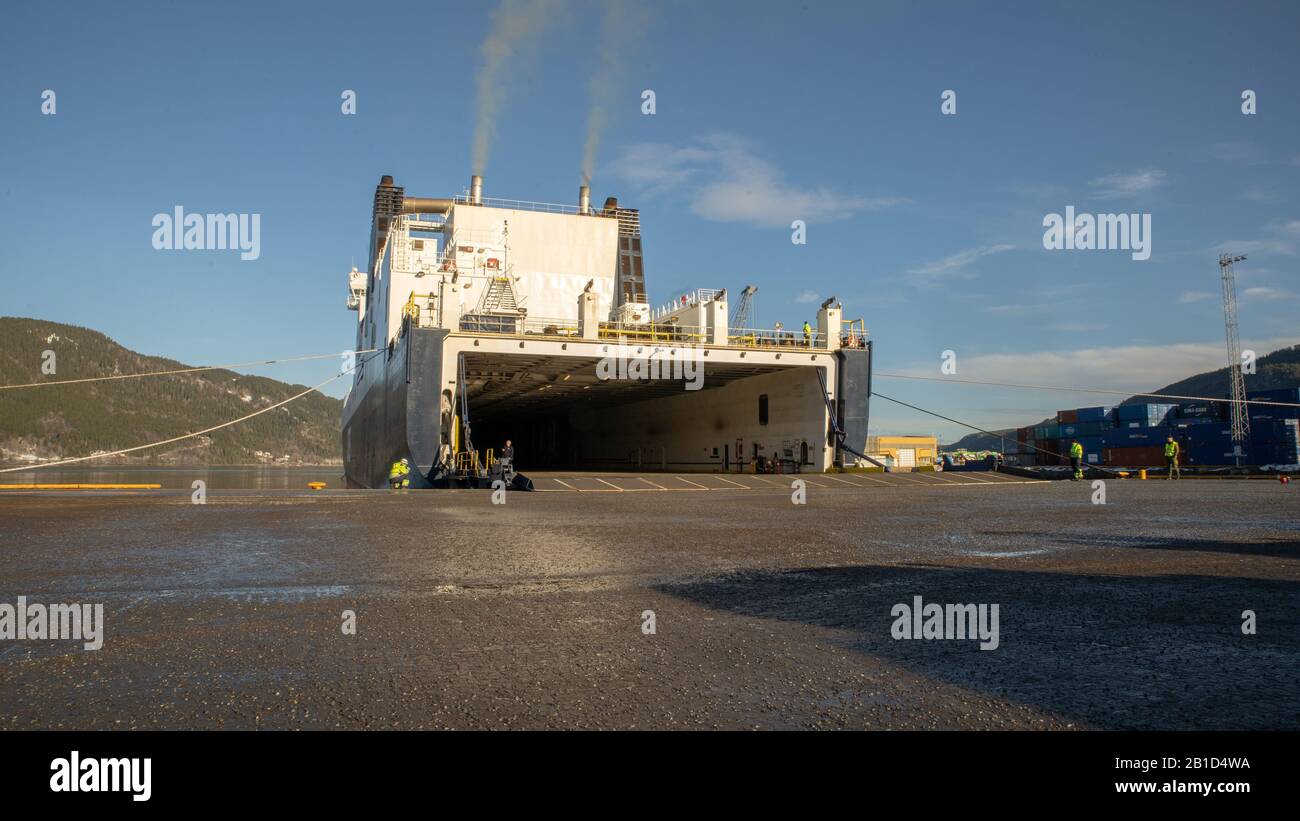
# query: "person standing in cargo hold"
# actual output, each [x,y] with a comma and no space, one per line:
[399,475]
[507,457]
[1171,459]
[1076,461]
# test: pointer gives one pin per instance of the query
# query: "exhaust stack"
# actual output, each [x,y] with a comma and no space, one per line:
[476,190]
[584,199]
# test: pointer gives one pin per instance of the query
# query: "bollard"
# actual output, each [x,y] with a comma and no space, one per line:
[1142,474]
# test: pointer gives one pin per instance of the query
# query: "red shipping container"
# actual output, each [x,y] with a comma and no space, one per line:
[1151,456]
[1067,416]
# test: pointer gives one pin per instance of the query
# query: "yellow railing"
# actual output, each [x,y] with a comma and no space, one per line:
[467,462]
[855,336]
[412,310]
[652,332]
[771,338]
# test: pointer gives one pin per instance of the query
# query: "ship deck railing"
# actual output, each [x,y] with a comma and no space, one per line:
[512,325]
[654,332]
[773,338]
[522,325]
[528,205]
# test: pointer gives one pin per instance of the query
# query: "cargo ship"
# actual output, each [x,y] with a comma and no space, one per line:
[494,320]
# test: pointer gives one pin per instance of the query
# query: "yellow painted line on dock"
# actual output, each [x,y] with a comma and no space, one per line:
[656,486]
[80,487]
[737,484]
[844,481]
[943,478]
[566,484]
[689,482]
[603,482]
[909,479]
[863,476]
[1002,484]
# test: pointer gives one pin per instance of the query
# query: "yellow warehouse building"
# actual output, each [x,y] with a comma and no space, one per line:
[906,451]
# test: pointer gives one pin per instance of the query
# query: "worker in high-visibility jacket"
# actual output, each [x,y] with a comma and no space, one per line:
[1076,461]
[807,334]
[399,475]
[1172,450]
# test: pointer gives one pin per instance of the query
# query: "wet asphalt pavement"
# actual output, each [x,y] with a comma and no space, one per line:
[766,614]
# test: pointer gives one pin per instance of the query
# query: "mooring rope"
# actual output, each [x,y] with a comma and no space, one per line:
[280,404]
[186,370]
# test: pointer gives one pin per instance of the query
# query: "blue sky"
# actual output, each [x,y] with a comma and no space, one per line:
[927,226]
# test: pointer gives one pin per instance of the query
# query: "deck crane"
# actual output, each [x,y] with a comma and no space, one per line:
[740,317]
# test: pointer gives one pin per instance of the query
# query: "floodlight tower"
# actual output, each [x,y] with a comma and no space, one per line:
[1240,418]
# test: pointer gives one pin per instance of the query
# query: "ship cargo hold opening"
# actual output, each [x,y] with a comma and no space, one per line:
[560,413]
[498,320]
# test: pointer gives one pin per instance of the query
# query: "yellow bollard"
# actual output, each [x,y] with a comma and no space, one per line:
[1142,474]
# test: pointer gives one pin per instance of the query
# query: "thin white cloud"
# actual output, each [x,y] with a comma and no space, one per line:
[1280,239]
[1114,186]
[726,180]
[1262,292]
[953,266]
[1258,194]
[1234,151]
[1078,327]
[1256,246]
[1187,297]
[1126,368]
[805,297]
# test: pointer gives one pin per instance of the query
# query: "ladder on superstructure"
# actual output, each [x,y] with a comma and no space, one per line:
[499,296]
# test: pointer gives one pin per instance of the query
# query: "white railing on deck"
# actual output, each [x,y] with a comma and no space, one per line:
[525,205]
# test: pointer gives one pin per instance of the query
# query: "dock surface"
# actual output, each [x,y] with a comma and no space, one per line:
[767,614]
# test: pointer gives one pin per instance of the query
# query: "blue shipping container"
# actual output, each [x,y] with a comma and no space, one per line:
[1202,410]
[1151,414]
[1180,424]
[1283,430]
[1208,455]
[1072,429]
[1134,437]
[1101,414]
[1271,412]
[1091,449]
[1276,395]
[1218,435]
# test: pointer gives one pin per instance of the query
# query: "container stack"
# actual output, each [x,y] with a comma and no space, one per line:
[1134,435]
[1275,430]
[1142,415]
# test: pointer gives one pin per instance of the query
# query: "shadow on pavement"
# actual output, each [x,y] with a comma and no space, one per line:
[1104,651]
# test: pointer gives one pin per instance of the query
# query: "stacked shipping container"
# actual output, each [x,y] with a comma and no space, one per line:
[1134,435]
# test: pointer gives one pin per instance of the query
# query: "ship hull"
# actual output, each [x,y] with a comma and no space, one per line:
[399,412]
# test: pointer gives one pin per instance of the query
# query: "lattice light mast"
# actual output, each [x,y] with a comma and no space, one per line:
[1240,418]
